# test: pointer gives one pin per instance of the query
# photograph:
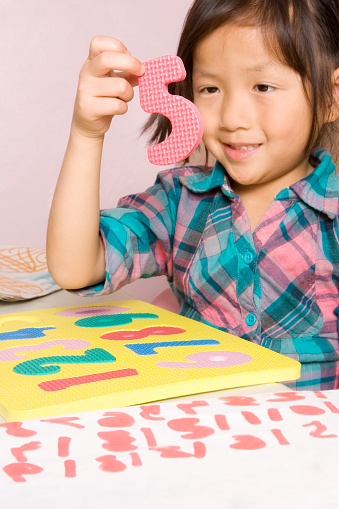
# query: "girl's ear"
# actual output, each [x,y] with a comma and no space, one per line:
[334,113]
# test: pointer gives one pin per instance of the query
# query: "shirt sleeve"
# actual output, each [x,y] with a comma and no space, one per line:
[138,236]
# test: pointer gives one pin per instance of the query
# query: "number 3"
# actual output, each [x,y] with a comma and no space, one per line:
[187,126]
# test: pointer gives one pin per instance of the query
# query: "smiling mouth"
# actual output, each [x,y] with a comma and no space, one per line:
[242,147]
[241,152]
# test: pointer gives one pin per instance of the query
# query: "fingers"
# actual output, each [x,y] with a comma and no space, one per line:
[106,107]
[108,87]
[117,87]
[100,97]
[101,43]
[105,85]
[107,54]
[115,65]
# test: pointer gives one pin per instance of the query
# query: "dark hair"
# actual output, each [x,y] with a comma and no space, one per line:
[302,34]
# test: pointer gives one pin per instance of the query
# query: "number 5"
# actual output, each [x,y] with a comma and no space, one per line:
[187,126]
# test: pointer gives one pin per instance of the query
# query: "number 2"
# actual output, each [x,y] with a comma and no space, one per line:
[187,126]
[47,365]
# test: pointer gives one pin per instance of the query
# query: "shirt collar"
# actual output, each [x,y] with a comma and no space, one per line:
[320,189]
[207,180]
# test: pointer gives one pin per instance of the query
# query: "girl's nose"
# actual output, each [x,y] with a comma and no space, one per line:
[235,113]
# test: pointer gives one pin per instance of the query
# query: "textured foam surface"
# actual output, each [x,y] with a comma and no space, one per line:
[52,362]
[187,125]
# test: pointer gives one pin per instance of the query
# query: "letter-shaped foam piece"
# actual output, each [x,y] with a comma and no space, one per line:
[187,125]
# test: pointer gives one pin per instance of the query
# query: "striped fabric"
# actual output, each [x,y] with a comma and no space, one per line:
[277,287]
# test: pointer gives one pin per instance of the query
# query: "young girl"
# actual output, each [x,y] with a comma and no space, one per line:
[251,245]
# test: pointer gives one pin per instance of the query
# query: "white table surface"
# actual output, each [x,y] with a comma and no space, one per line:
[296,467]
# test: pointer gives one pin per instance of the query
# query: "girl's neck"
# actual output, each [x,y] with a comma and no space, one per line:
[258,198]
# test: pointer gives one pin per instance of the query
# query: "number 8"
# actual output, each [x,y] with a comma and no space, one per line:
[187,126]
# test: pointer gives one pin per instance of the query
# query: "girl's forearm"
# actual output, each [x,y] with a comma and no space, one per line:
[75,251]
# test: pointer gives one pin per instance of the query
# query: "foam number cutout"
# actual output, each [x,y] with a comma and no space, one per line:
[148,348]
[10,354]
[113,320]
[45,365]
[217,359]
[187,125]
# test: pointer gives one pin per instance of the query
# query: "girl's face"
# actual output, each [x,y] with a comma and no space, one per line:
[257,118]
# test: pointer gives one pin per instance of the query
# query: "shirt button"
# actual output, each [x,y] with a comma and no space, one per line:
[248,257]
[250,319]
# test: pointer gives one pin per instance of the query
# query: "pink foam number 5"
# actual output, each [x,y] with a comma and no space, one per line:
[187,126]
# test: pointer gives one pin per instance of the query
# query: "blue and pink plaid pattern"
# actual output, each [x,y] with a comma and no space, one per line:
[277,287]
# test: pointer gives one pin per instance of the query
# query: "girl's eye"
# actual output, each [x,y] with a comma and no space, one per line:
[209,90]
[264,88]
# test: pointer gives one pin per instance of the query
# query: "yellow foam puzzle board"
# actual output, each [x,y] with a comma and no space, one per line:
[82,358]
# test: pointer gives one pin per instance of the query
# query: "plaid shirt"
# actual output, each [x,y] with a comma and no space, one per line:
[277,287]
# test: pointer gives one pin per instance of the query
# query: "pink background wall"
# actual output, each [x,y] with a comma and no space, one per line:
[43,44]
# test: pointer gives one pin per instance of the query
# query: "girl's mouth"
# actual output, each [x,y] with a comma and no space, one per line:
[240,152]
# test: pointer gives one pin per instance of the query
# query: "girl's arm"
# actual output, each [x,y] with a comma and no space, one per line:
[75,251]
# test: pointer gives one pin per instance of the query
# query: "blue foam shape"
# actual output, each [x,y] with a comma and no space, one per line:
[28,333]
[148,348]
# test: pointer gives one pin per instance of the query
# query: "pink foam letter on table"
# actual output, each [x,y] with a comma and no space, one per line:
[187,126]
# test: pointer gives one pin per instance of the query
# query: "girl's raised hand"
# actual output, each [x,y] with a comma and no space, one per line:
[105,86]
